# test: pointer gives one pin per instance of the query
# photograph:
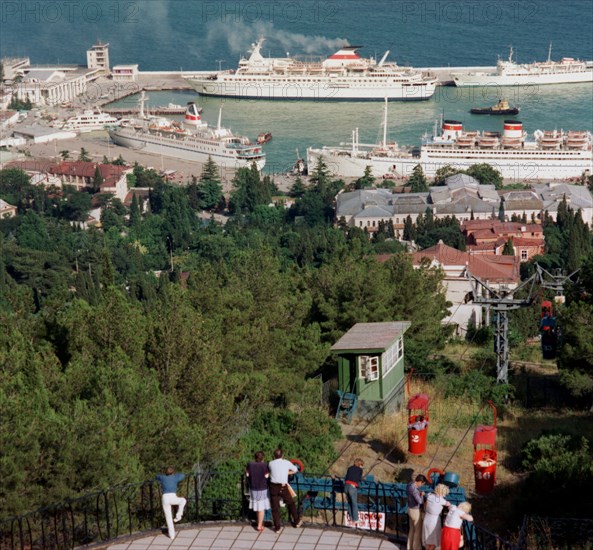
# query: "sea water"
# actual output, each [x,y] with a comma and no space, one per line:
[208,34]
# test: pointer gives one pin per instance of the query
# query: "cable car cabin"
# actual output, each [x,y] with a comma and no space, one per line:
[549,331]
[418,423]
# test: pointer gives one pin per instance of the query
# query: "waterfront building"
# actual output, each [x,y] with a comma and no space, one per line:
[53,85]
[14,66]
[77,174]
[81,174]
[125,73]
[98,57]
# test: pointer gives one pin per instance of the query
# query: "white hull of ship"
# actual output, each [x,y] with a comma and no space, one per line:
[485,79]
[513,165]
[328,90]
[171,147]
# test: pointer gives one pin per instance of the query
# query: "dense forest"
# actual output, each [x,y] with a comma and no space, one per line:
[166,338]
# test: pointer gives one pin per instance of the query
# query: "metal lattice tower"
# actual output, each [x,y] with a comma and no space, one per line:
[555,282]
[501,301]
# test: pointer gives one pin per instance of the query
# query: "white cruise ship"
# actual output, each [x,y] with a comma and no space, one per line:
[546,155]
[508,73]
[345,75]
[191,140]
[89,120]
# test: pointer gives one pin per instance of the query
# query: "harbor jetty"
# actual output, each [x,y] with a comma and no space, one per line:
[177,80]
[160,110]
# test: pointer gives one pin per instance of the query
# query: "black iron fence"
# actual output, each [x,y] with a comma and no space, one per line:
[211,496]
[123,510]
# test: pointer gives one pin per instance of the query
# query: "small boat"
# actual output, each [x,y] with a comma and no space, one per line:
[264,137]
[501,108]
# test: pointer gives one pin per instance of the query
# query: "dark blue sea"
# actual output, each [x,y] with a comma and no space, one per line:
[200,35]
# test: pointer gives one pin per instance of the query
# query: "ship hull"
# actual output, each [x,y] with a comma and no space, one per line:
[175,148]
[513,165]
[485,79]
[489,111]
[321,91]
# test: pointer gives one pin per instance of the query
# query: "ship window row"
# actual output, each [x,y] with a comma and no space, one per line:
[523,154]
[325,80]
[213,149]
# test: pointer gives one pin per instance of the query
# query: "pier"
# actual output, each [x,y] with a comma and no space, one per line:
[176,80]
[116,111]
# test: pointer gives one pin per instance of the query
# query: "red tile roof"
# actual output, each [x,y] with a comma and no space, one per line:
[485,266]
[110,173]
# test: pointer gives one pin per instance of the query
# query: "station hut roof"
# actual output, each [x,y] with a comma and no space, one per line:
[371,336]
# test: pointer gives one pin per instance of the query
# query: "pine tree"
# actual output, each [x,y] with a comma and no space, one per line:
[210,186]
[298,188]
[135,216]
[444,172]
[501,214]
[409,229]
[367,179]
[97,180]
[417,181]
[84,155]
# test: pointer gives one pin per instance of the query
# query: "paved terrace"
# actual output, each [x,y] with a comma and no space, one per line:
[244,537]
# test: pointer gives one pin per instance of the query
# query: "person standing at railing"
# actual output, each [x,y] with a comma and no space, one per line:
[259,501]
[169,482]
[451,536]
[351,483]
[431,525]
[415,502]
[280,469]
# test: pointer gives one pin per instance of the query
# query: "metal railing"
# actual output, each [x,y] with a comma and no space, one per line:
[211,496]
[123,510]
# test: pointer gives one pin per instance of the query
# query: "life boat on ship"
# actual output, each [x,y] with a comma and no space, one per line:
[487,142]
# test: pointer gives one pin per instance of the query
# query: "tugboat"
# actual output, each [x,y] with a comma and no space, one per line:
[264,137]
[501,108]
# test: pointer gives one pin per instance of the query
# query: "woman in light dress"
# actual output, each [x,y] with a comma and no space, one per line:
[431,526]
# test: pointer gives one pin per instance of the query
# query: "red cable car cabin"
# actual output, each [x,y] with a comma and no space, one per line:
[485,456]
[418,423]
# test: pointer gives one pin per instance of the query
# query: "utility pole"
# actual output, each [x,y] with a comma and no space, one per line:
[501,301]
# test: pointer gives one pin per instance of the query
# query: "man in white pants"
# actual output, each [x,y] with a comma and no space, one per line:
[169,482]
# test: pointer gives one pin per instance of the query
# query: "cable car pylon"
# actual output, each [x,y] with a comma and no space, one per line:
[501,301]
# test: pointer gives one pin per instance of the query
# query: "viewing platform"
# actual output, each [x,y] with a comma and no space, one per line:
[130,517]
[244,537]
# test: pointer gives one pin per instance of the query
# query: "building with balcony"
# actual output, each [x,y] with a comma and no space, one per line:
[98,57]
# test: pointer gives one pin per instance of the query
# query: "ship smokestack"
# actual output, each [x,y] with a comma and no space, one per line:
[452,129]
[513,129]
[192,115]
